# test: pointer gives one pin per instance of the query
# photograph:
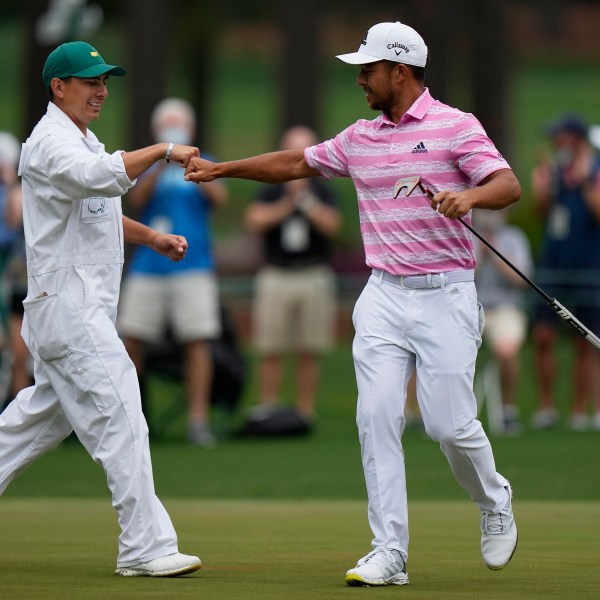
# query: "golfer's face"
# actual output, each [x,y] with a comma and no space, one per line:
[375,80]
[83,98]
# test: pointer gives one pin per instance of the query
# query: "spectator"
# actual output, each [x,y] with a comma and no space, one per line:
[181,296]
[21,372]
[501,292]
[566,188]
[9,188]
[294,307]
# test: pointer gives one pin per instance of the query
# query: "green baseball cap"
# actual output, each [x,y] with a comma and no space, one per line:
[76,59]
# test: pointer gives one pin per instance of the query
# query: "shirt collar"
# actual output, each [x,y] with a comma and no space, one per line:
[417,110]
[55,113]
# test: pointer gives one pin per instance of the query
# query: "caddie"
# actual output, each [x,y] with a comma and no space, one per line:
[419,309]
[84,380]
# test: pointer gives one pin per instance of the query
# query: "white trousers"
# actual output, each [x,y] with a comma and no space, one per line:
[436,331]
[90,386]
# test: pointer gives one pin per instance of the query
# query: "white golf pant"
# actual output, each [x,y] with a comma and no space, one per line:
[88,383]
[436,331]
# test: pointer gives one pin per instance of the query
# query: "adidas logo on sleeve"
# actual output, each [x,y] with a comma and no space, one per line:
[419,149]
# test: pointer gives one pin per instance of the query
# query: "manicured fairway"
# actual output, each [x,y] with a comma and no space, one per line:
[64,549]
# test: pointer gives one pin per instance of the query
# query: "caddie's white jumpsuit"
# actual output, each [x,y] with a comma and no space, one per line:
[84,379]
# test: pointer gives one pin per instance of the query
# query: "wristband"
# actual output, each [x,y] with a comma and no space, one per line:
[168,153]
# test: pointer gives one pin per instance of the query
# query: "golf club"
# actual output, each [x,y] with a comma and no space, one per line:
[411,183]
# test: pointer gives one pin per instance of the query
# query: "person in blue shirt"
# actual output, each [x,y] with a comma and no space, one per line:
[182,297]
[566,189]
[9,186]
[13,268]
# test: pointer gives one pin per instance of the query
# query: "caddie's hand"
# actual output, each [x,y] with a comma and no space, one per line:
[200,170]
[170,245]
[452,204]
[182,154]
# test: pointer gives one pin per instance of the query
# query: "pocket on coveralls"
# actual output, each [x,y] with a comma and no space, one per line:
[95,210]
[46,326]
[95,380]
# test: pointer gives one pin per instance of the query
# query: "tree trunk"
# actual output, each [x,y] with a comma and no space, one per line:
[299,67]
[35,55]
[198,28]
[148,28]
[491,67]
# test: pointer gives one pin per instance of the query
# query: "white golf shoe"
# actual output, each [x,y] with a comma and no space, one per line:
[171,565]
[498,535]
[380,567]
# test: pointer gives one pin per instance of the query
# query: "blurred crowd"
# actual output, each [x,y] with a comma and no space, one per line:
[173,319]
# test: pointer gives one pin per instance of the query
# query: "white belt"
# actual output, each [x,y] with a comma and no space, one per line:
[427,280]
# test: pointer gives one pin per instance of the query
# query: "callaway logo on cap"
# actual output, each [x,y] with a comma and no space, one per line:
[389,41]
[76,59]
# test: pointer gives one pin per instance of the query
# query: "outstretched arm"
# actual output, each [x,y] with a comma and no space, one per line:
[273,167]
[166,244]
[138,161]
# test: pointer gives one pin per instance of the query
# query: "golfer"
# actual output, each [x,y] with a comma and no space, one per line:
[84,379]
[419,309]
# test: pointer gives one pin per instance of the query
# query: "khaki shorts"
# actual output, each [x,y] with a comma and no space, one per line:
[505,324]
[188,304]
[294,309]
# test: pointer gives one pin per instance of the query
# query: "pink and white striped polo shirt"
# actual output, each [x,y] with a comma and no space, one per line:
[448,148]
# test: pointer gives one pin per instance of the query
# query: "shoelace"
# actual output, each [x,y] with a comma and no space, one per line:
[496,523]
[380,557]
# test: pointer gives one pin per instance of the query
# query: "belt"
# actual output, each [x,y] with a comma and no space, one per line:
[427,280]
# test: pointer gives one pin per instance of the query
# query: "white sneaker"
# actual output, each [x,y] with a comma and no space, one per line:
[171,565]
[579,422]
[380,567]
[546,418]
[199,434]
[498,535]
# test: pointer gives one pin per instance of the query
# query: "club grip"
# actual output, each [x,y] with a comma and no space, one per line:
[575,323]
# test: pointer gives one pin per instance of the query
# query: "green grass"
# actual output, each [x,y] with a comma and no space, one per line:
[542,465]
[286,518]
[65,549]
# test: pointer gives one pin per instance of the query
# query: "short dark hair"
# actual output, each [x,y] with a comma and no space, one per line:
[51,93]
[418,72]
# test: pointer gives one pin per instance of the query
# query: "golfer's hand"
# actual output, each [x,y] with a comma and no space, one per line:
[452,204]
[172,246]
[182,154]
[200,170]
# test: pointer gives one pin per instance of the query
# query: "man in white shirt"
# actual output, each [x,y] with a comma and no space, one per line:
[84,380]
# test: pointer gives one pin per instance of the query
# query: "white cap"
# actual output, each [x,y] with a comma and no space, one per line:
[389,41]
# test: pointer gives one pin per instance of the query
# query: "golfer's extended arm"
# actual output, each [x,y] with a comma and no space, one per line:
[273,167]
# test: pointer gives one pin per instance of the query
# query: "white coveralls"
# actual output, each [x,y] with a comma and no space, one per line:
[84,379]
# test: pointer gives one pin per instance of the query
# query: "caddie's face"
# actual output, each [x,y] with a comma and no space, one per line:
[376,81]
[81,98]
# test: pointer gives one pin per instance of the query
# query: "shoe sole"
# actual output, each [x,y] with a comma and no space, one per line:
[493,568]
[132,572]
[354,580]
